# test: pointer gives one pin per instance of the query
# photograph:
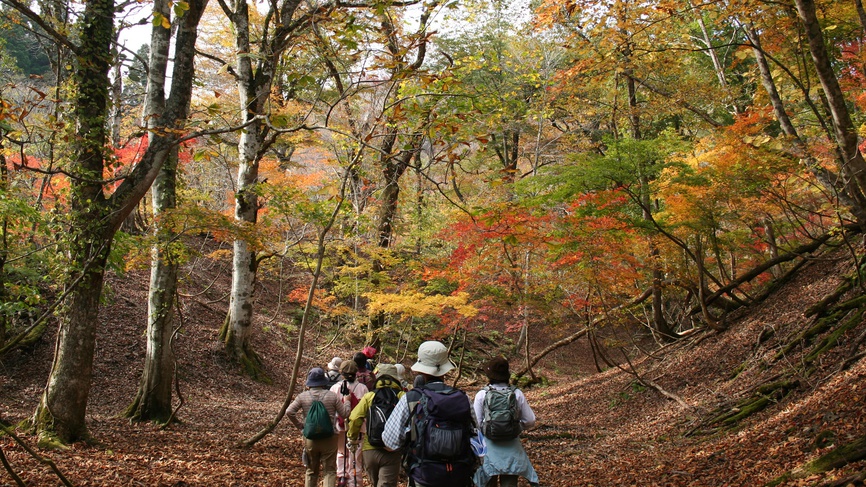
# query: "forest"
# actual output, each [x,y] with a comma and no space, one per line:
[655,209]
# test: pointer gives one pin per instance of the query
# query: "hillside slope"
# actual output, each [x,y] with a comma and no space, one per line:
[603,429]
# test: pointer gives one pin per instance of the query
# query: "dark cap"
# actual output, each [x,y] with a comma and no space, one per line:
[316,377]
[497,370]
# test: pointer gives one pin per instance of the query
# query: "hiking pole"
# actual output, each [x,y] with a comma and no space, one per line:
[343,480]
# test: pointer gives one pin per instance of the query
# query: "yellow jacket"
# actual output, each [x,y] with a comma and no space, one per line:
[359,413]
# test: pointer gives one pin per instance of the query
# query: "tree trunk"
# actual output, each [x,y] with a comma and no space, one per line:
[93,218]
[153,399]
[61,411]
[253,91]
[830,180]
[853,164]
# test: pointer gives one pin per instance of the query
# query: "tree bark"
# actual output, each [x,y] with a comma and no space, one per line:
[94,218]
[61,411]
[853,164]
[153,398]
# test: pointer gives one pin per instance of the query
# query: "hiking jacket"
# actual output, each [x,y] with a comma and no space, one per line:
[527,416]
[302,404]
[359,414]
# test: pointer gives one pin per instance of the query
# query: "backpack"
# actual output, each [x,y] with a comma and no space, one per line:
[501,416]
[381,406]
[439,451]
[317,424]
[353,401]
[367,378]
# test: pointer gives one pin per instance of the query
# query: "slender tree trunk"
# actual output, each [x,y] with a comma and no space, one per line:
[253,89]
[861,14]
[853,164]
[5,319]
[153,399]
[830,180]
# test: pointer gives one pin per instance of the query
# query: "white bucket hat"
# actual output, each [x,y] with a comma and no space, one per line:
[433,359]
[334,364]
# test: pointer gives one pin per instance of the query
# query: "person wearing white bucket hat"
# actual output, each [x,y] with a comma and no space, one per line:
[418,416]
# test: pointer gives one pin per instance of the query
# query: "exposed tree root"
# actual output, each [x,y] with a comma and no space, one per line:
[728,416]
[839,457]
[42,460]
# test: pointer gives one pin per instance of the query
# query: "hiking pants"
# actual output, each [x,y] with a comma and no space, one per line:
[382,466]
[322,454]
[504,481]
[349,467]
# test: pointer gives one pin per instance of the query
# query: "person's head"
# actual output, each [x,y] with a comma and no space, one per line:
[360,359]
[334,364]
[316,378]
[496,370]
[349,370]
[433,359]
[386,369]
[401,371]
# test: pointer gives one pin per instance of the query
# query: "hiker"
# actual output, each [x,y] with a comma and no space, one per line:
[334,370]
[503,413]
[349,464]
[319,406]
[434,422]
[381,465]
[365,374]
[370,353]
[401,376]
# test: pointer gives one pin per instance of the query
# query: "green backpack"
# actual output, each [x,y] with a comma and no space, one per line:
[318,423]
[501,416]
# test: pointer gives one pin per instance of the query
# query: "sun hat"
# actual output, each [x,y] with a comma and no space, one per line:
[334,364]
[348,368]
[400,371]
[316,377]
[386,369]
[433,359]
[497,370]
[369,351]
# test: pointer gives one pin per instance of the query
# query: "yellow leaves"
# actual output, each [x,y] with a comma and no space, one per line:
[418,305]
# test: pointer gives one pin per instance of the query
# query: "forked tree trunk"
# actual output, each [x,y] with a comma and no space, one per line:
[94,219]
[153,398]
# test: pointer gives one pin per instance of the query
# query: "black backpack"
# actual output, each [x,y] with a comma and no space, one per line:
[381,406]
[439,451]
[501,416]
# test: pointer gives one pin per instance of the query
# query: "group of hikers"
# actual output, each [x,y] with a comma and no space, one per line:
[359,418]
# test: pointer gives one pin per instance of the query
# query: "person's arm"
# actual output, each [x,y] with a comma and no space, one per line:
[527,415]
[356,419]
[293,410]
[478,407]
[394,432]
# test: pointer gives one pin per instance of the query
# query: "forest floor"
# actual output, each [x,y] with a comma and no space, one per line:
[594,429]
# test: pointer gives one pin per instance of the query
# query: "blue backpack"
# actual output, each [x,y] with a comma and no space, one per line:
[439,451]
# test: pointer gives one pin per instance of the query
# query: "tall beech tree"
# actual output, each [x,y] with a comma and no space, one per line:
[153,399]
[95,213]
